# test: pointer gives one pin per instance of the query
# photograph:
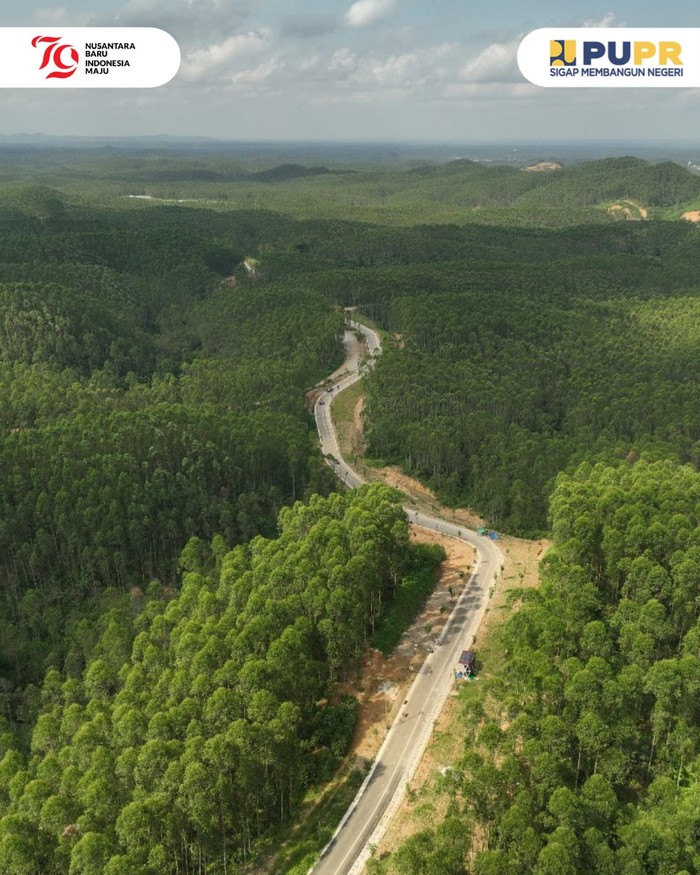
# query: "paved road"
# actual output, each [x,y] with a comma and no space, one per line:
[372,808]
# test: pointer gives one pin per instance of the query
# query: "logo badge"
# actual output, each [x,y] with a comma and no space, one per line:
[63,57]
[562,53]
[44,56]
[611,57]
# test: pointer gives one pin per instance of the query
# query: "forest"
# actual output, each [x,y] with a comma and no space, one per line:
[566,362]
[200,714]
[181,587]
[145,400]
[582,753]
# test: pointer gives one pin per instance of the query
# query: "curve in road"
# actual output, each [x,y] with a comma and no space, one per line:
[376,801]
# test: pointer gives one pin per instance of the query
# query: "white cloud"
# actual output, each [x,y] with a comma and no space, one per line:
[366,12]
[343,59]
[608,20]
[394,70]
[252,80]
[421,73]
[199,64]
[496,63]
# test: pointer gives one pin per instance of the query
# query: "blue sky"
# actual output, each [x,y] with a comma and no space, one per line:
[440,71]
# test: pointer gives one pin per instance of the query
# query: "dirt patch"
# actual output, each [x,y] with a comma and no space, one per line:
[357,414]
[357,438]
[423,497]
[543,165]
[691,216]
[629,210]
[413,488]
[464,515]
[384,681]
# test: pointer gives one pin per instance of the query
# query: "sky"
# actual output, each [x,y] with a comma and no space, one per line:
[371,70]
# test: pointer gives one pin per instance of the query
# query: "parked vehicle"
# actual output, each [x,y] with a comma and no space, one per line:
[468,662]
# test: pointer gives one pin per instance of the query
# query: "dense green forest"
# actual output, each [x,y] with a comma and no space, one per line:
[172,624]
[150,393]
[582,753]
[201,715]
[503,378]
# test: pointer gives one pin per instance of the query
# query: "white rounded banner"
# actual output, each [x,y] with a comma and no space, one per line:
[611,57]
[86,57]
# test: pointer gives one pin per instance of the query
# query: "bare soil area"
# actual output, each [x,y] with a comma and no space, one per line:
[629,210]
[383,681]
[543,165]
[357,435]
[691,216]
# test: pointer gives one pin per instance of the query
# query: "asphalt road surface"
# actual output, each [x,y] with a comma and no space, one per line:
[372,808]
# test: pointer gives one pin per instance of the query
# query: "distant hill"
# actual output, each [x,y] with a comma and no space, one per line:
[280,173]
[592,182]
[192,174]
[287,171]
[471,184]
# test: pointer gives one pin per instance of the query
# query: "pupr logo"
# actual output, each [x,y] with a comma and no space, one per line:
[562,53]
[57,54]
[611,57]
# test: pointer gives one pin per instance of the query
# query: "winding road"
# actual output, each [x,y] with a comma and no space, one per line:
[376,801]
